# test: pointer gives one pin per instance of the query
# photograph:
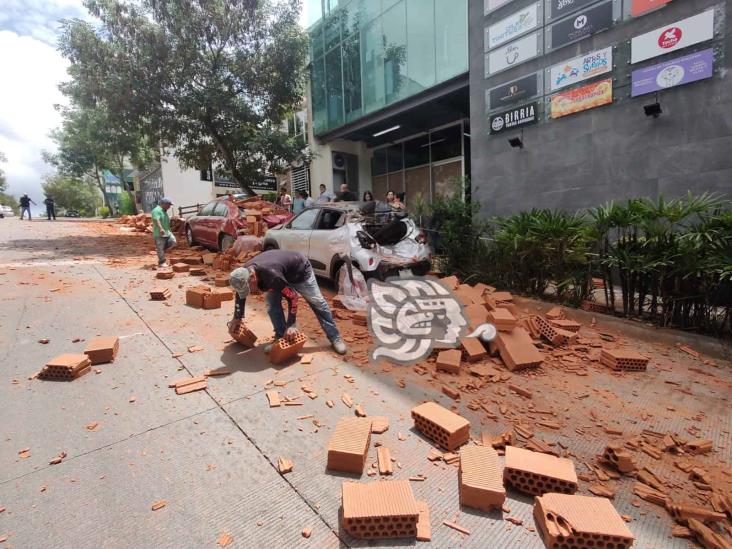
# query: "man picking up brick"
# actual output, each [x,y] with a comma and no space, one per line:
[280,274]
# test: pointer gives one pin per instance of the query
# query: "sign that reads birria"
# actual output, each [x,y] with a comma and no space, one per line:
[512,26]
[583,98]
[514,118]
[670,74]
[512,54]
[675,36]
[581,68]
[564,7]
[513,92]
[584,24]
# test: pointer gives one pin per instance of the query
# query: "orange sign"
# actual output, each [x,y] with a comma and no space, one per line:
[580,99]
[639,7]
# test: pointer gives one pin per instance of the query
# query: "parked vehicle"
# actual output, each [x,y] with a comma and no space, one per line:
[6,211]
[72,213]
[378,243]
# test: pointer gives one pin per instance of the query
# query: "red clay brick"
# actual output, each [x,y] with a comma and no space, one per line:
[517,349]
[555,313]
[424,528]
[244,336]
[195,296]
[480,478]
[450,282]
[383,457]
[224,294]
[287,348]
[159,294]
[623,359]
[449,361]
[451,392]
[379,510]
[568,325]
[102,350]
[476,315]
[536,473]
[447,429]
[556,336]
[473,349]
[581,522]
[617,456]
[221,281]
[66,367]
[201,383]
[502,319]
[181,267]
[349,445]
[165,274]
[502,297]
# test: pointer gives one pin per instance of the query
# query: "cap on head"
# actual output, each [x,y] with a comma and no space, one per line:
[239,281]
[166,200]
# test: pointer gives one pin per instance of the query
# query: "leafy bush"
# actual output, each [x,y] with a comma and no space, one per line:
[125,205]
[104,212]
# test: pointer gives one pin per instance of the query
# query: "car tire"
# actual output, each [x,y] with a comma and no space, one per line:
[226,241]
[189,236]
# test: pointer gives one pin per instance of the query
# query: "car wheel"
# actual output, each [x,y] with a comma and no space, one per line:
[189,236]
[226,241]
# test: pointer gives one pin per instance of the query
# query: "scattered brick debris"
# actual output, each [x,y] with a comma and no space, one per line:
[378,510]
[307,532]
[223,371]
[159,505]
[451,392]
[347,400]
[449,361]
[44,341]
[58,459]
[514,520]
[456,526]
[480,478]
[379,424]
[274,398]
[447,429]
[348,446]
[306,359]
[24,453]
[520,390]
[132,398]
[424,528]
[284,465]
[359,411]
[224,540]
[383,457]
[537,473]
[195,349]
[189,385]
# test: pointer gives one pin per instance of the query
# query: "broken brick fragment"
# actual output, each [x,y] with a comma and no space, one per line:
[181,267]
[451,392]
[284,465]
[473,349]
[556,336]
[449,361]
[617,456]
[383,457]
[379,424]
[424,528]
[447,429]
[480,478]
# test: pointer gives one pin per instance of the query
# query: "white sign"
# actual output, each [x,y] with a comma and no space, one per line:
[675,36]
[512,26]
[580,68]
[493,5]
[512,54]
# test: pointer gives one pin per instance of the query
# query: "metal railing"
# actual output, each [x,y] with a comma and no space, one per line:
[184,211]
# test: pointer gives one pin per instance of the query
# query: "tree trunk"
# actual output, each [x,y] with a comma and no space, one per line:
[102,188]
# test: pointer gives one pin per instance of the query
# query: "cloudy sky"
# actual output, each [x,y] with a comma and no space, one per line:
[31,69]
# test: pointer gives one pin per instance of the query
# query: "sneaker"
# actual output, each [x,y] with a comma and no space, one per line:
[339,346]
[165,265]
[267,348]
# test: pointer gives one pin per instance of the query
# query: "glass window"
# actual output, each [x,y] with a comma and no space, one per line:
[316,41]
[417,151]
[313,11]
[394,158]
[420,45]
[334,87]
[394,24]
[305,220]
[451,39]
[366,10]
[447,143]
[329,220]
[372,66]
[208,209]
[352,77]
[332,30]
[221,209]
[378,162]
[317,85]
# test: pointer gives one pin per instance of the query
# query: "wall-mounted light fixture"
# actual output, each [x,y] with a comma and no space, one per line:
[517,142]
[384,132]
[654,109]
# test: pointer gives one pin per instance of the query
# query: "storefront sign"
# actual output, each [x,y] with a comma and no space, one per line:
[492,5]
[581,68]
[675,36]
[512,26]
[513,92]
[584,24]
[513,54]
[639,7]
[514,118]
[583,98]
[560,8]
[268,183]
[670,74]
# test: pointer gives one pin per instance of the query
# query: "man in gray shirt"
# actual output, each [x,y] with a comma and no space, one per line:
[325,196]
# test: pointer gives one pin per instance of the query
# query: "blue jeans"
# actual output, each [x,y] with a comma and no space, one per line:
[163,243]
[310,291]
[22,212]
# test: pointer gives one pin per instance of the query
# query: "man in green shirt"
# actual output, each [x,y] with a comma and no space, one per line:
[164,239]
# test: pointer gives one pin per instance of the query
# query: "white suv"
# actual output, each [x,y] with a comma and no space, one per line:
[378,243]
[6,211]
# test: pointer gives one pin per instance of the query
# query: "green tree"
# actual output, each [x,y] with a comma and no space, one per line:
[213,80]
[72,193]
[3,181]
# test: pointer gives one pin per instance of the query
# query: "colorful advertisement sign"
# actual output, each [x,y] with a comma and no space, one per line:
[586,23]
[583,98]
[560,8]
[677,72]
[513,92]
[492,5]
[580,68]
[513,54]
[639,7]
[512,26]
[514,118]
[684,33]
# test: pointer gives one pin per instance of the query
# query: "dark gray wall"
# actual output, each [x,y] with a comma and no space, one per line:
[612,152]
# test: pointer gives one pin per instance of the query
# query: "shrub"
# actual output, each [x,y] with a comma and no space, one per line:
[104,212]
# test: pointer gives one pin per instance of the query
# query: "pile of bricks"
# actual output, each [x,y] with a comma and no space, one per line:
[65,367]
[287,348]
[102,350]
[160,294]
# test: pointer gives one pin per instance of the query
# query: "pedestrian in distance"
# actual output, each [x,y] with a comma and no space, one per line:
[302,201]
[393,201]
[284,200]
[325,196]
[25,203]
[50,208]
[283,274]
[164,239]
[346,195]
[368,197]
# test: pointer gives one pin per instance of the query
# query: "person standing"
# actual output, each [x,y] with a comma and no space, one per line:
[283,274]
[25,203]
[346,195]
[50,208]
[325,196]
[164,239]
[393,201]
[368,197]
[298,204]
[284,200]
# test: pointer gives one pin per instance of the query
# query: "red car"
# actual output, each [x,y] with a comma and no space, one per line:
[219,222]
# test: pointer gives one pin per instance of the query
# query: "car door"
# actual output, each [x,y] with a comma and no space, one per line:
[202,229]
[296,234]
[218,220]
[328,238]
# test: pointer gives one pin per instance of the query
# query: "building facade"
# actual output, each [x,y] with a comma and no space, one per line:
[543,103]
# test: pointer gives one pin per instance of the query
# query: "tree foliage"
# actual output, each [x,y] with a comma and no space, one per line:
[72,193]
[3,181]
[212,79]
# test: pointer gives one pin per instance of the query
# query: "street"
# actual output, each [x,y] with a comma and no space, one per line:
[211,456]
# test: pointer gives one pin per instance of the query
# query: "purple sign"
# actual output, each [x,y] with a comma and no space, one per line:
[670,74]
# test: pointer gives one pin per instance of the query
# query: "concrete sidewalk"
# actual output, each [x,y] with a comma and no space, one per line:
[212,455]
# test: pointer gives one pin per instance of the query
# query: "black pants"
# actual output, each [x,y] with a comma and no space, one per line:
[51,211]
